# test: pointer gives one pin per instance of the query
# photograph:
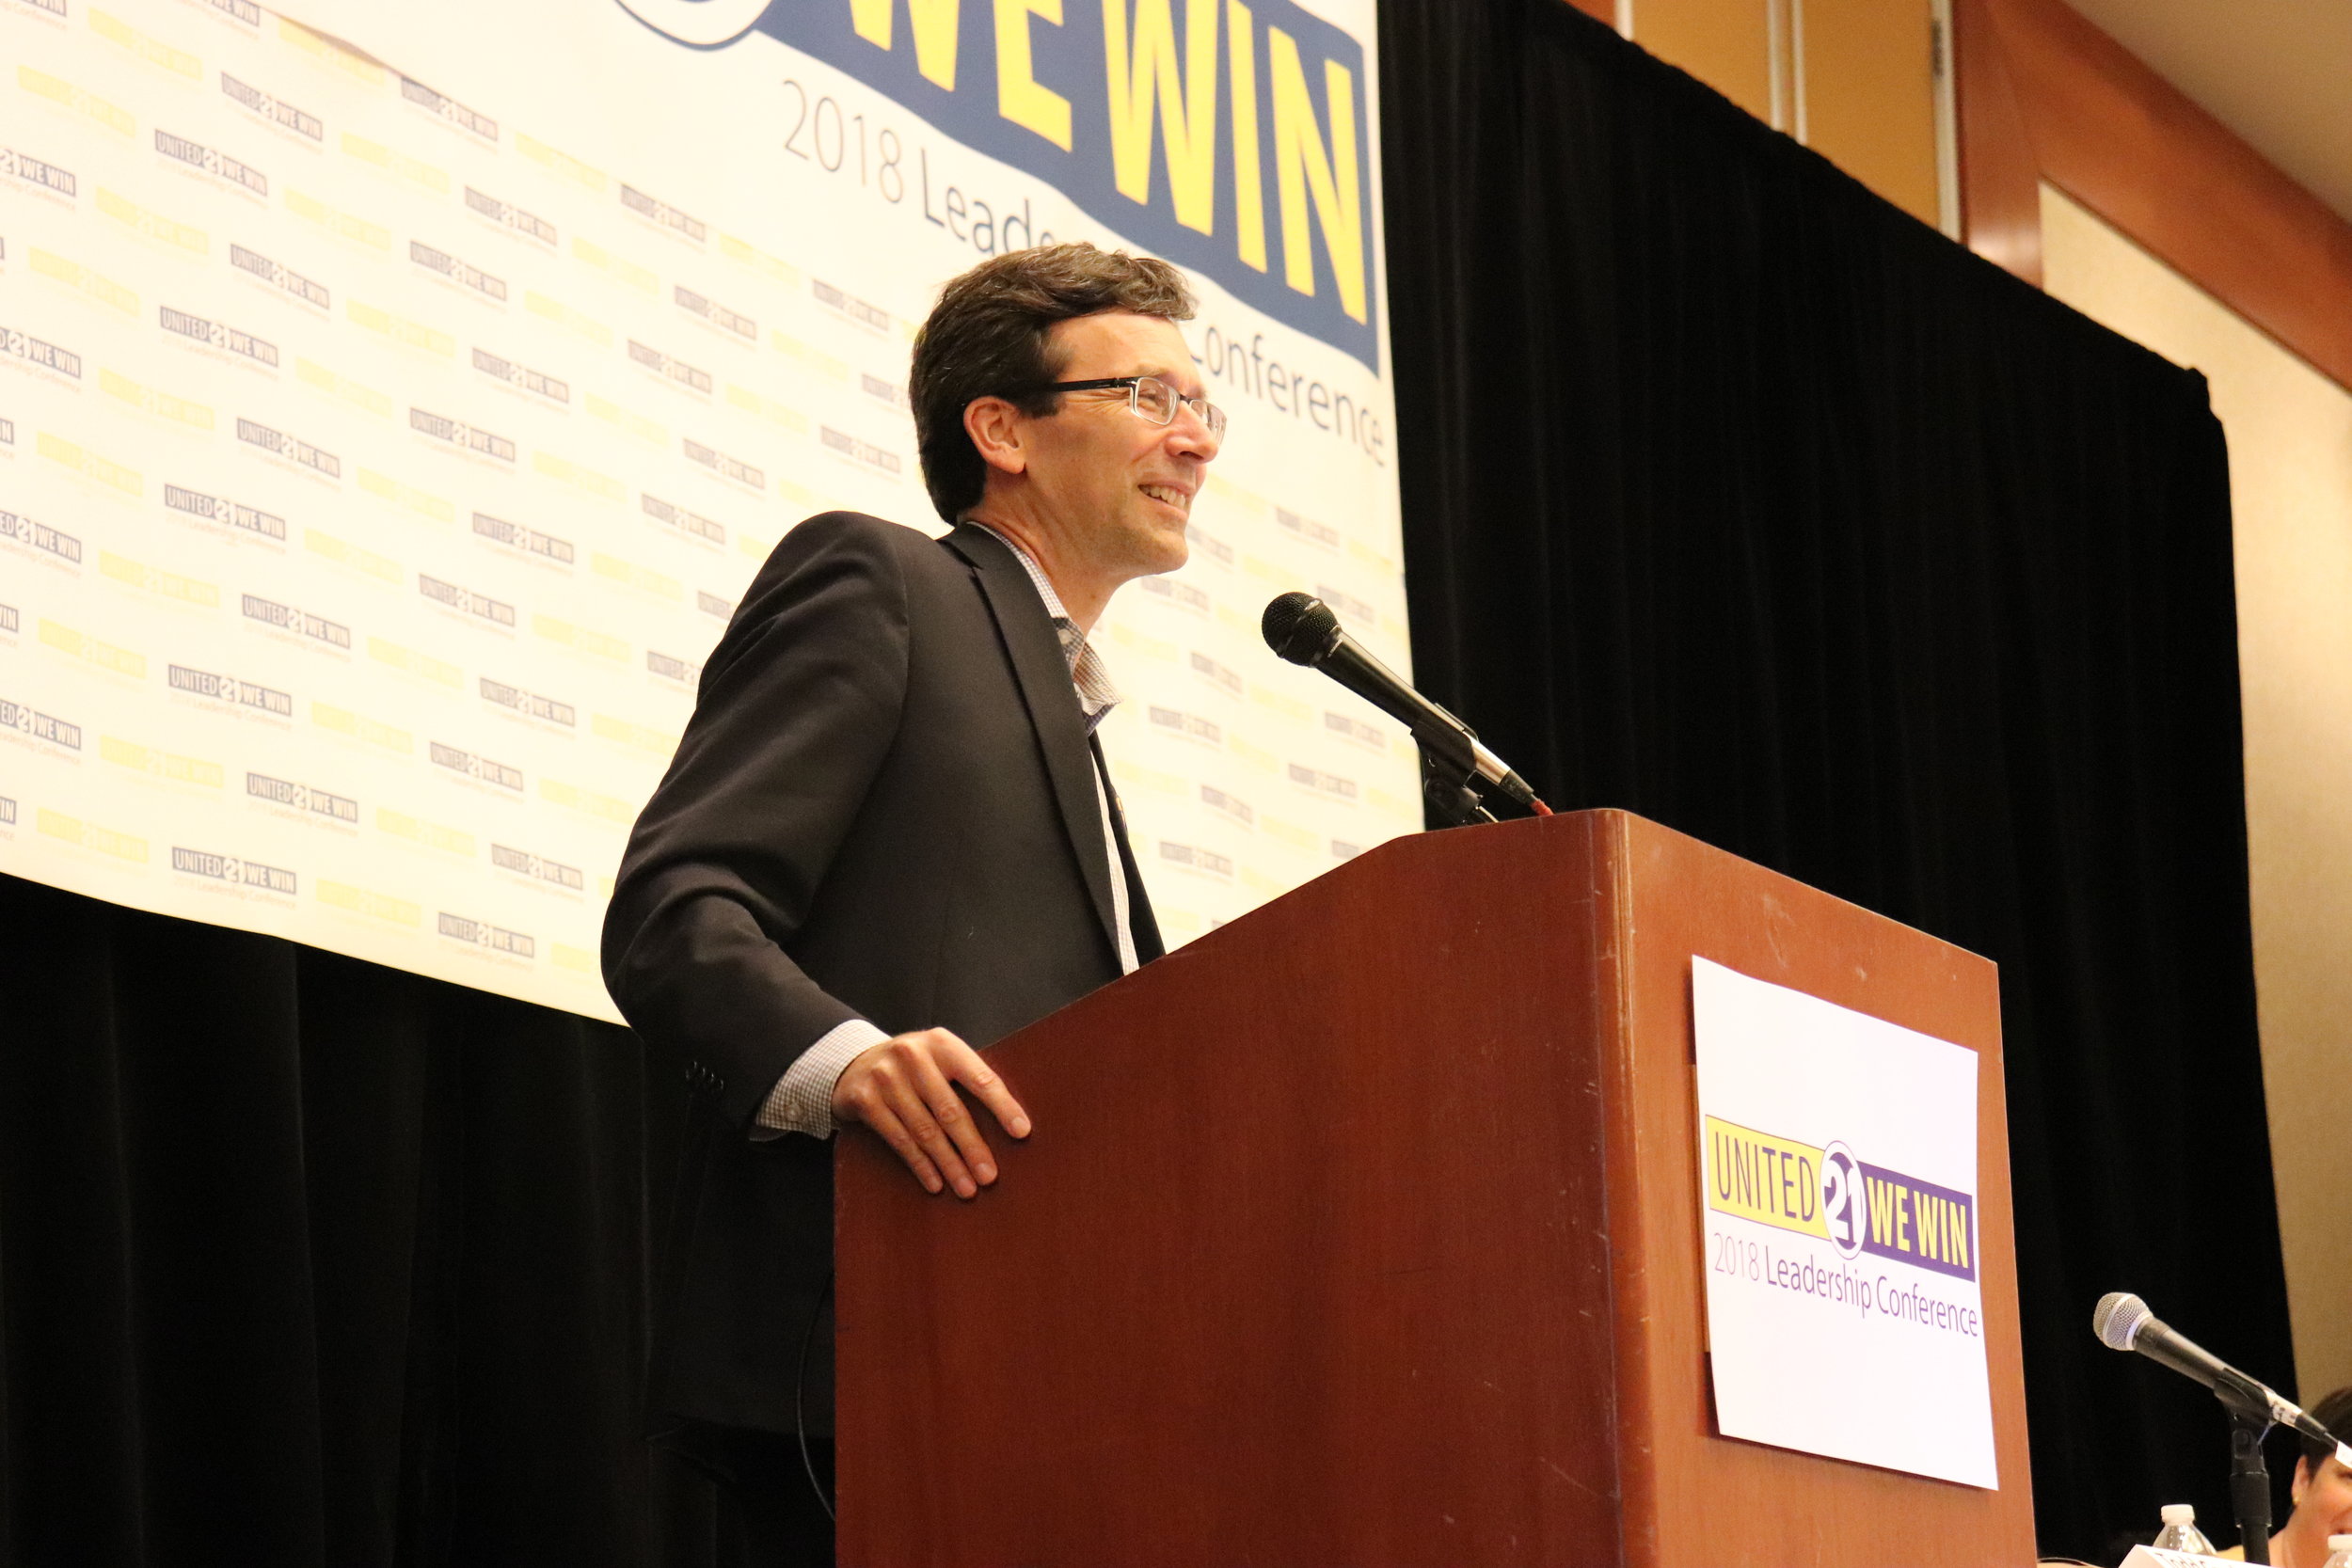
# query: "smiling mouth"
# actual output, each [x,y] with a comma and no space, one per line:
[1169,495]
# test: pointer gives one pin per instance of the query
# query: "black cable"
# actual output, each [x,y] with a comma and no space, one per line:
[800,1393]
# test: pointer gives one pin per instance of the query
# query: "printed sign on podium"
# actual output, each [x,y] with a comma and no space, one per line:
[1838,1168]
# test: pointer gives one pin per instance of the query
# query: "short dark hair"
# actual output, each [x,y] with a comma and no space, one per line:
[2334,1412]
[986,337]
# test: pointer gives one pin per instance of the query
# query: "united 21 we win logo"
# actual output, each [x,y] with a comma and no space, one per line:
[1832,1195]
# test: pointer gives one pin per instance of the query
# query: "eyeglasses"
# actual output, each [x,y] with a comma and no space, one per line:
[1149,398]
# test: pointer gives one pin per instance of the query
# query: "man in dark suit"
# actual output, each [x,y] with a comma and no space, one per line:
[888,838]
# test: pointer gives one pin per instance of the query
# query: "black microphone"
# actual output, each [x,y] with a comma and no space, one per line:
[1303,629]
[2123,1322]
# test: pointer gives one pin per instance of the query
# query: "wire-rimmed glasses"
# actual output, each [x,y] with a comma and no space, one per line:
[1149,398]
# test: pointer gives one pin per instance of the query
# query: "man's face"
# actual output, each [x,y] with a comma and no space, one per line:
[1117,487]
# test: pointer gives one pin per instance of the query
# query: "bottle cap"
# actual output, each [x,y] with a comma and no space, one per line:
[2179,1514]
[2340,1542]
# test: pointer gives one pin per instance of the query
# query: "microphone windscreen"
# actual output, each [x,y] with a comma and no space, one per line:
[1300,627]
[2119,1318]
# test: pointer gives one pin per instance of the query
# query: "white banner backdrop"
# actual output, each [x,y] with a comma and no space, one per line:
[387,425]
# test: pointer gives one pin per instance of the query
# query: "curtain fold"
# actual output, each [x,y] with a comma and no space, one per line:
[307,1262]
[1736,497]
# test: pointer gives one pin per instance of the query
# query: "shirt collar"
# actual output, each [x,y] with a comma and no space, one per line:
[1089,674]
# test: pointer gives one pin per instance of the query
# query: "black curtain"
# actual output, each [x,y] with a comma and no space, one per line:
[306,1262]
[1736,497]
[1733,497]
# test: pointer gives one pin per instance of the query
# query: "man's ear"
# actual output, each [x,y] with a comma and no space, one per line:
[998,432]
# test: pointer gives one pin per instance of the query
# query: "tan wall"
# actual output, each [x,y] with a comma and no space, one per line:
[2290,431]
[1852,79]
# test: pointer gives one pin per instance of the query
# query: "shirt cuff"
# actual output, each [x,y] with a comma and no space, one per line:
[801,1102]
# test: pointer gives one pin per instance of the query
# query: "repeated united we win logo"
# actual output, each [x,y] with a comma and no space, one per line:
[1831,1194]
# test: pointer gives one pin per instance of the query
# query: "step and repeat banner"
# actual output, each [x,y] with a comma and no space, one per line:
[394,400]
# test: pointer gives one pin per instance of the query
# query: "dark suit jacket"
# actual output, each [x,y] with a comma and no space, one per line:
[882,807]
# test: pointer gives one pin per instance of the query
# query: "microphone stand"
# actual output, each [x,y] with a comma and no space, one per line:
[1445,783]
[2249,1482]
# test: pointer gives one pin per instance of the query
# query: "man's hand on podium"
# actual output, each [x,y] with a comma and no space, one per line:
[904,1090]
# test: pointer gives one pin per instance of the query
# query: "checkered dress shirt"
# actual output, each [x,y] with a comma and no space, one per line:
[801,1102]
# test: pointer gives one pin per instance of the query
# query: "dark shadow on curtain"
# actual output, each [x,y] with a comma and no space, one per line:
[1736,497]
[307,1262]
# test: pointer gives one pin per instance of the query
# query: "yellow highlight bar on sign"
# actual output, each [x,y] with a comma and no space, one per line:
[434,835]
[584,175]
[162,764]
[580,477]
[815,359]
[154,226]
[629,420]
[440,671]
[349,226]
[361,727]
[576,958]
[1288,707]
[579,638]
[400,330]
[1247,499]
[640,278]
[345,553]
[163,406]
[42,85]
[759,260]
[171,585]
[1257,757]
[610,808]
[1761,1177]
[406,497]
[643,578]
[154,51]
[91,466]
[81,645]
[767,409]
[336,384]
[87,280]
[637,737]
[563,315]
[398,165]
[89,835]
[1290,834]
[381,906]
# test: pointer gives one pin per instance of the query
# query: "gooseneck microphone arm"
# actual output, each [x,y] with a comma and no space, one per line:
[1303,629]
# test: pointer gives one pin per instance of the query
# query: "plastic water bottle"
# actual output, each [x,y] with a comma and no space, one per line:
[2181,1534]
[2339,1552]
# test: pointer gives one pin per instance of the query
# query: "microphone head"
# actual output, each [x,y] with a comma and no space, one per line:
[2119,1318]
[1300,627]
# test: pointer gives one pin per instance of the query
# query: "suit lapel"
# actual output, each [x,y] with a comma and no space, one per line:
[1044,676]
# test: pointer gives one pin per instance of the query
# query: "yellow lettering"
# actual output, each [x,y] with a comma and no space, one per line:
[1959,1253]
[1882,1210]
[935,28]
[1302,165]
[1903,1196]
[1248,193]
[1187,103]
[1019,98]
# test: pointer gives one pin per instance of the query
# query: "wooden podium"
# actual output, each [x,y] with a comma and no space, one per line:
[1364,1232]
